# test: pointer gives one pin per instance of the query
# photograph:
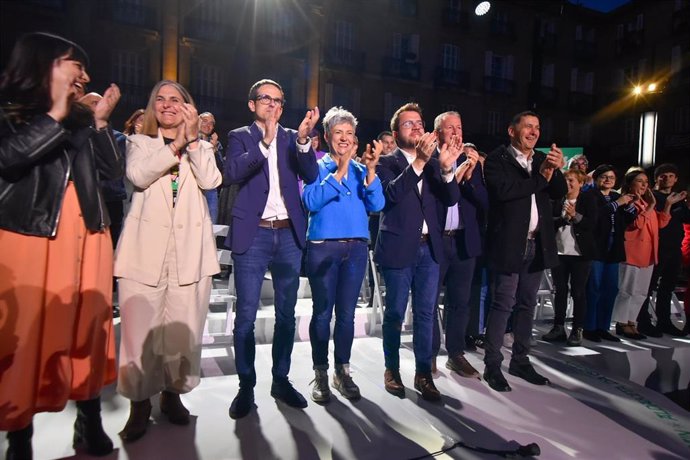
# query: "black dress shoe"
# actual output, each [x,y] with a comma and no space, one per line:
[592,336]
[527,372]
[495,379]
[606,335]
[284,391]
[671,330]
[648,330]
[242,403]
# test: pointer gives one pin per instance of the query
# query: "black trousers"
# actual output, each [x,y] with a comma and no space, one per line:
[664,278]
[573,270]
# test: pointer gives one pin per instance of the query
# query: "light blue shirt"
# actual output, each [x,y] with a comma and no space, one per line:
[339,209]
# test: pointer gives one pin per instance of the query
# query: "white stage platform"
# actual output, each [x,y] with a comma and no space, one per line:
[596,408]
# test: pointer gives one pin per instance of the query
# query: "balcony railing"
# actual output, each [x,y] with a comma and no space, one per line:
[581,103]
[453,17]
[498,85]
[585,50]
[400,68]
[444,76]
[344,59]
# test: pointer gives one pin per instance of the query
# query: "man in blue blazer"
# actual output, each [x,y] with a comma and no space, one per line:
[268,231]
[521,242]
[462,245]
[410,247]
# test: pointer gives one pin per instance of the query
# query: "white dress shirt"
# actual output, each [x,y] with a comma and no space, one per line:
[526,163]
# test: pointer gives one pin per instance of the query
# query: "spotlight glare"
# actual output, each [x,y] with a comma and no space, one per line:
[637,90]
[651,87]
[482,8]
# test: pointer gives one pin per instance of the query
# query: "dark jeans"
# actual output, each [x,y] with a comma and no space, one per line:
[422,278]
[602,289]
[212,200]
[514,293]
[336,271]
[664,280]
[456,274]
[277,250]
[116,212]
[573,269]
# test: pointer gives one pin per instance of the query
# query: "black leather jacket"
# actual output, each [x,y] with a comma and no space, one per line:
[36,161]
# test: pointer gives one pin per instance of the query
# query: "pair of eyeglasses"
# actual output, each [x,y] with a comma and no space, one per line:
[265,99]
[409,124]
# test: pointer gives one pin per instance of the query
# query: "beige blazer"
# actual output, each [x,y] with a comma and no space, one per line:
[152,220]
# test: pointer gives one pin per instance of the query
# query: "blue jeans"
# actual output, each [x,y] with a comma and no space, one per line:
[422,278]
[212,200]
[336,271]
[514,293]
[602,289]
[277,250]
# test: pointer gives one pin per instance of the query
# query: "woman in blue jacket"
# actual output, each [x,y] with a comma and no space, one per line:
[336,255]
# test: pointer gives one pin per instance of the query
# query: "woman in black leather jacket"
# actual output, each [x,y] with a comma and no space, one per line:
[56,332]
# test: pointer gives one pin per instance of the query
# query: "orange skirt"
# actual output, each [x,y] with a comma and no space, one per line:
[56,329]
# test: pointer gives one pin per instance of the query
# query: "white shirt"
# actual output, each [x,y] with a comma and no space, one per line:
[447,177]
[275,205]
[565,237]
[526,163]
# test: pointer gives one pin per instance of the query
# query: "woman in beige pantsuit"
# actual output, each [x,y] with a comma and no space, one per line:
[165,258]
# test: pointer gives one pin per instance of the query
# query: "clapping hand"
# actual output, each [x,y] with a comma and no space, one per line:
[307,125]
[104,108]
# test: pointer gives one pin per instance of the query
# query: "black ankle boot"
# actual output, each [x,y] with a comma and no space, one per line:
[88,428]
[19,444]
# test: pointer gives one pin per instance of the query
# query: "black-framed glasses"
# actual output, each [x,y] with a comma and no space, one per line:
[265,99]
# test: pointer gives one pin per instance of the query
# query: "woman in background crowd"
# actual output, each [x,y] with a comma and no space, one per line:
[641,252]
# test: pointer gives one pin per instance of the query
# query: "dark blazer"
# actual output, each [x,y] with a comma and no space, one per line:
[510,201]
[474,199]
[586,206]
[246,165]
[602,230]
[406,209]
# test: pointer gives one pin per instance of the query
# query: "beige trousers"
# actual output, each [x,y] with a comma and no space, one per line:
[160,345]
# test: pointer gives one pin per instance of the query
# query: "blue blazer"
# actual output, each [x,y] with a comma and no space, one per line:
[474,199]
[401,219]
[246,165]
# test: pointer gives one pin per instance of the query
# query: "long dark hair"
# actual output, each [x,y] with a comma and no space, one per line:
[25,82]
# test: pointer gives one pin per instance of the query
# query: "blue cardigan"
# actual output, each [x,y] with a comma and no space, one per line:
[339,210]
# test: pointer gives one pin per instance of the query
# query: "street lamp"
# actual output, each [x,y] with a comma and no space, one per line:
[646,154]
[482,8]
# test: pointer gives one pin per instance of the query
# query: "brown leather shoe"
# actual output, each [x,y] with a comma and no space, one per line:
[135,428]
[460,365]
[424,383]
[393,383]
[172,406]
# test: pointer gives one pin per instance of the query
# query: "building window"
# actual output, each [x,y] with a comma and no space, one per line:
[494,123]
[206,21]
[449,59]
[344,41]
[407,8]
[629,130]
[130,12]
[548,72]
[581,82]
[282,26]
[207,80]
[391,103]
[682,119]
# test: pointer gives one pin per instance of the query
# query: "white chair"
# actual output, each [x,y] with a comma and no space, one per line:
[221,295]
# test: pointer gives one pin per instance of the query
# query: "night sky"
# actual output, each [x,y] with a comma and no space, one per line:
[600,5]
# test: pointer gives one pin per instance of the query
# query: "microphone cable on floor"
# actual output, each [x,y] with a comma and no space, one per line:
[530,450]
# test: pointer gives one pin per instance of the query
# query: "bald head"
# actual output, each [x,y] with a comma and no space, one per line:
[91,100]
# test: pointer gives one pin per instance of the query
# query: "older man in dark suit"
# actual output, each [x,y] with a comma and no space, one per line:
[520,241]
[268,231]
[462,245]
[410,247]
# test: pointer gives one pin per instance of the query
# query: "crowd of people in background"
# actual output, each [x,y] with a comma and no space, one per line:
[81,203]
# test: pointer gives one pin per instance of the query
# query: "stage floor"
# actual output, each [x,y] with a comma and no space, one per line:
[590,411]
